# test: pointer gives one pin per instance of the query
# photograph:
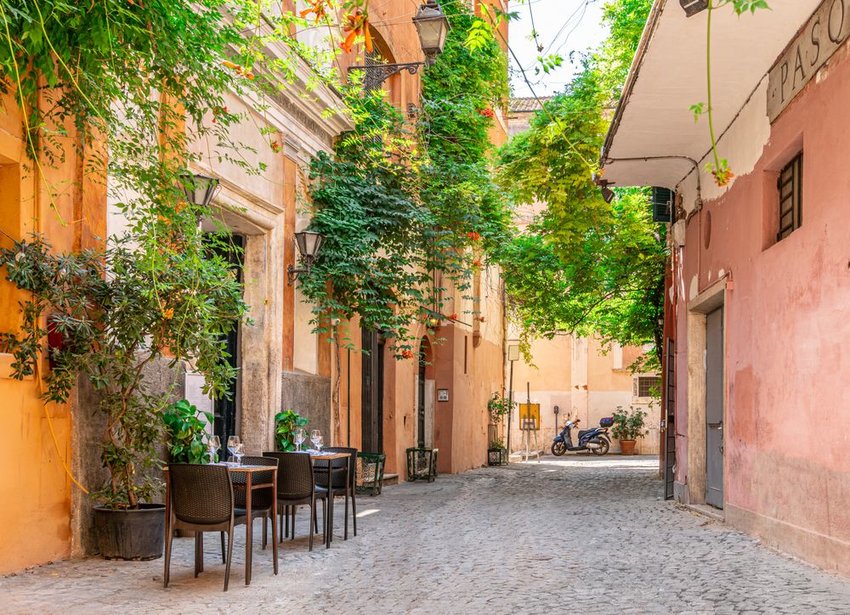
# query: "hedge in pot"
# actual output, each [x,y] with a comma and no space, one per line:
[628,427]
[112,312]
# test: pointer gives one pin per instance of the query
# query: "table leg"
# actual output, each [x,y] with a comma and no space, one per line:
[330,527]
[274,519]
[347,479]
[249,527]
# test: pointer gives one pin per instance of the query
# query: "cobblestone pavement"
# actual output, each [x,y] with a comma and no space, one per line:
[580,534]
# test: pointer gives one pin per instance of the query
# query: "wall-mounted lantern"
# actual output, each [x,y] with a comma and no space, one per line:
[309,243]
[432,27]
[199,189]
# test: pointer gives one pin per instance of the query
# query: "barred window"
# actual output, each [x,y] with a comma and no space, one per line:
[790,187]
[647,386]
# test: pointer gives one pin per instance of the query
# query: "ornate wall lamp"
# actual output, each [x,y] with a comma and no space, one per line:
[431,26]
[309,243]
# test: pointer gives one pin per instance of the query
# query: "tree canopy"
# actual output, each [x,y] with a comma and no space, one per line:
[583,265]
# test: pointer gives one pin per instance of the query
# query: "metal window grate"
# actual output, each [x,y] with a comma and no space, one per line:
[790,188]
[647,386]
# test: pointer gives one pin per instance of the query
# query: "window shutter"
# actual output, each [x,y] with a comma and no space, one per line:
[662,205]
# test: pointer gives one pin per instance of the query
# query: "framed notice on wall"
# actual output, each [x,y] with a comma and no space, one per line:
[529,417]
[442,395]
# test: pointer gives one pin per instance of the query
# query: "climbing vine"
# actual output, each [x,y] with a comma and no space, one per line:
[409,210]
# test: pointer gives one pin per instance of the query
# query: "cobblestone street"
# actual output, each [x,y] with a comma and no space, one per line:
[580,534]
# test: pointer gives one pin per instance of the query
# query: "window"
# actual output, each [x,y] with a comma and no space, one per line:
[647,386]
[790,188]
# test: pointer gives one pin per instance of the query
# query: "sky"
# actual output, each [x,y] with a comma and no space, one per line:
[566,27]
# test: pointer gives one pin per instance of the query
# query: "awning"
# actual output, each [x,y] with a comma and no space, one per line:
[654,139]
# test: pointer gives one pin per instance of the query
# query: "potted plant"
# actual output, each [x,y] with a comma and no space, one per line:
[628,427]
[157,294]
[497,407]
[286,423]
[186,428]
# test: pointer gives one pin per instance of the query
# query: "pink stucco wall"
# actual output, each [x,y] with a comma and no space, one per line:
[787,332]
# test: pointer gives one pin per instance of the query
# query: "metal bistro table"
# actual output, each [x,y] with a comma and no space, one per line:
[329,458]
[250,487]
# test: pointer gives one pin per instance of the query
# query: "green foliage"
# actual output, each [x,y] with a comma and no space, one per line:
[114,322]
[498,407]
[628,424]
[186,428]
[286,423]
[583,266]
[397,204]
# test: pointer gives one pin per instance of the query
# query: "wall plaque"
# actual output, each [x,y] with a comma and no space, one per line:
[822,35]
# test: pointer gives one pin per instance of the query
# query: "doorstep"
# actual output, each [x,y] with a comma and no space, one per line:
[715,514]
[390,479]
[521,456]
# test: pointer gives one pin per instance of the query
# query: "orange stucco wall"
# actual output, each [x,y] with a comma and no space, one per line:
[34,488]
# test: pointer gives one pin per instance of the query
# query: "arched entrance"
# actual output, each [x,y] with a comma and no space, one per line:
[425,390]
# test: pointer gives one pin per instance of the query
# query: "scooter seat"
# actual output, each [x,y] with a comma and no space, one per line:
[584,431]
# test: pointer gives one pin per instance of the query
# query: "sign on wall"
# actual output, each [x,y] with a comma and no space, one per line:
[442,395]
[823,34]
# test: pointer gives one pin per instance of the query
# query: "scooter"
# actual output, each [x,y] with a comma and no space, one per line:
[595,440]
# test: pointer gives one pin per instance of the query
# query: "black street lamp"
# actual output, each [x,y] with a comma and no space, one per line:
[199,189]
[309,243]
[432,27]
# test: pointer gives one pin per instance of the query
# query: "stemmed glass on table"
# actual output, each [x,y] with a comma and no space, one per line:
[316,439]
[214,445]
[234,445]
[299,435]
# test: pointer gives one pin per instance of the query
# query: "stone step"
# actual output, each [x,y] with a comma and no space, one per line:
[390,479]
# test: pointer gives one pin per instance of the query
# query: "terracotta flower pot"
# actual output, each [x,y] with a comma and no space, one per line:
[627,447]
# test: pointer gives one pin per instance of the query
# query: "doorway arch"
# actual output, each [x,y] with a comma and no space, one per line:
[425,392]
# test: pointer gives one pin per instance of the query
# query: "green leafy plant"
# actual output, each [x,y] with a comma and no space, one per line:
[113,323]
[186,428]
[628,424]
[496,444]
[286,423]
[498,407]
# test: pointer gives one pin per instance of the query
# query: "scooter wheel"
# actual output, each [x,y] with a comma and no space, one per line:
[558,448]
[603,447]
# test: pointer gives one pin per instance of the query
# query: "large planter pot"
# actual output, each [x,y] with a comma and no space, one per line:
[130,534]
[627,447]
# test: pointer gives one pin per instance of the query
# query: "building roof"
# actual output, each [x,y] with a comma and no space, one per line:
[653,139]
[527,104]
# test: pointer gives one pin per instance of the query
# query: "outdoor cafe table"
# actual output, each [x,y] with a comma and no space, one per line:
[250,487]
[329,458]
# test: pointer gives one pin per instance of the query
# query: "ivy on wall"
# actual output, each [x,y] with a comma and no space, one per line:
[407,210]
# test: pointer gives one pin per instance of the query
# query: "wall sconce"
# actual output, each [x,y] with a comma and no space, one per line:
[431,26]
[199,189]
[309,243]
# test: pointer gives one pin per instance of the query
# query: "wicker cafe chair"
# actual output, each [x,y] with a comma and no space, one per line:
[201,500]
[296,486]
[338,480]
[262,499]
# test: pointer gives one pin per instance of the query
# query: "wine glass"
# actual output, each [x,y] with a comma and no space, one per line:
[233,444]
[299,436]
[316,438]
[214,445]
[239,453]
[319,442]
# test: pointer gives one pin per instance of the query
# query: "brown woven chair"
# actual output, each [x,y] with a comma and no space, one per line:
[297,486]
[338,480]
[192,508]
[262,499]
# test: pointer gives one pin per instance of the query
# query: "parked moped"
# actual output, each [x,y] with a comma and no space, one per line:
[595,440]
